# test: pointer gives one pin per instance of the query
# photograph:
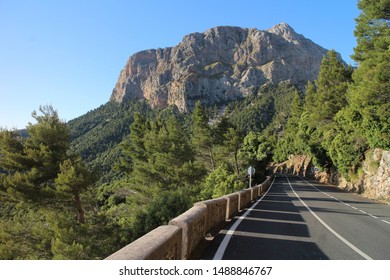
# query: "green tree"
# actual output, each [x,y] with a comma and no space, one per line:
[331,87]
[73,179]
[162,155]
[365,122]
[25,233]
[348,146]
[220,182]
[38,180]
[310,102]
[133,147]
[315,129]
[307,124]
[11,151]
[369,95]
[257,151]
[161,210]
[32,164]
[296,111]
[228,151]
[163,168]
[169,154]
[288,144]
[372,28]
[202,137]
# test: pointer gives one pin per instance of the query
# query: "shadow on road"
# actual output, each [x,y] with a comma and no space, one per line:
[274,230]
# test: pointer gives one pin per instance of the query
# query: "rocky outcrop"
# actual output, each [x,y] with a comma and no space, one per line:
[372,181]
[221,64]
[375,180]
[300,165]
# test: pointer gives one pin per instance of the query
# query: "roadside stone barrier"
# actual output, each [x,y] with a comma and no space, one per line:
[232,205]
[185,236]
[215,213]
[244,198]
[162,243]
[193,225]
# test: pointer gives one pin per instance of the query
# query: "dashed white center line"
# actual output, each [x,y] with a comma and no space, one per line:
[353,207]
[353,247]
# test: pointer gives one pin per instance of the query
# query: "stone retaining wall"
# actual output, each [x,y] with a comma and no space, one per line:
[162,243]
[185,233]
[193,223]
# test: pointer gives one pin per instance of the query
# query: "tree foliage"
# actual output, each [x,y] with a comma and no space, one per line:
[202,137]
[310,128]
[41,187]
[369,94]
[32,164]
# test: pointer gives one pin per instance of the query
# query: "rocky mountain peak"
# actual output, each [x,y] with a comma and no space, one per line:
[287,32]
[221,64]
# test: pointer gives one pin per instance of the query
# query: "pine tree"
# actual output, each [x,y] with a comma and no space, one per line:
[331,87]
[132,147]
[307,126]
[11,151]
[168,151]
[162,155]
[72,180]
[202,137]
[324,99]
[349,144]
[369,95]
[230,148]
[32,164]
[365,123]
[289,143]
[25,233]
[38,181]
[372,29]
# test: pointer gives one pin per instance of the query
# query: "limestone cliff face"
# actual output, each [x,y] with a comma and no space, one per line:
[221,64]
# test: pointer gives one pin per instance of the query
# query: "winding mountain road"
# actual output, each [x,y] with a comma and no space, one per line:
[300,219]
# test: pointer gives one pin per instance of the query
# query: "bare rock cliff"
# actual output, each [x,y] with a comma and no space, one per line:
[221,64]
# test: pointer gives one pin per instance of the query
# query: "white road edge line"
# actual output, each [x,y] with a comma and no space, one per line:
[225,242]
[353,247]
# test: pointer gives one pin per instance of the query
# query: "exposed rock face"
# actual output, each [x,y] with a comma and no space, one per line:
[221,64]
[373,182]
[376,169]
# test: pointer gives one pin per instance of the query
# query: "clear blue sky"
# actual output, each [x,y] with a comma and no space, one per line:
[68,54]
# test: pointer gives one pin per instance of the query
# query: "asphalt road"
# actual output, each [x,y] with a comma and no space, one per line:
[300,219]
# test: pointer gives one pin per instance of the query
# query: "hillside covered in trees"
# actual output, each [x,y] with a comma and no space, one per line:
[84,189]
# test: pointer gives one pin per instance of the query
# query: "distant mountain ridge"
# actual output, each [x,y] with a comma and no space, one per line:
[219,65]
